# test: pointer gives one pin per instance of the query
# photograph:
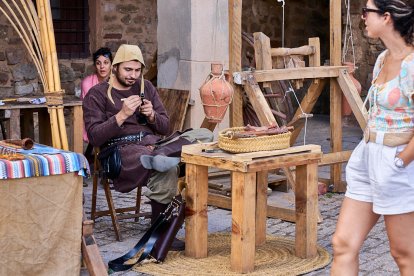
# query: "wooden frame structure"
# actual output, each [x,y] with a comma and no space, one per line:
[335,73]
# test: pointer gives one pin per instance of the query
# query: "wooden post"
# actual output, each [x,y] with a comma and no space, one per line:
[243,222]
[259,103]
[306,201]
[353,98]
[336,94]
[261,207]
[262,53]
[196,211]
[77,127]
[235,46]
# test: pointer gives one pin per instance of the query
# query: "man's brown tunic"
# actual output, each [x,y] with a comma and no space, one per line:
[101,125]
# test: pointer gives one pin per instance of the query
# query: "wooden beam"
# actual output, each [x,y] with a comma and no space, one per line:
[224,202]
[209,125]
[352,96]
[335,158]
[262,53]
[258,102]
[289,74]
[235,47]
[90,251]
[315,59]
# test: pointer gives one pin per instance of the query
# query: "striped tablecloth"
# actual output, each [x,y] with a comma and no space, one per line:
[42,161]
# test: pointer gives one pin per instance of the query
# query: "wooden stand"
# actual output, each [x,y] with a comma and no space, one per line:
[335,74]
[249,199]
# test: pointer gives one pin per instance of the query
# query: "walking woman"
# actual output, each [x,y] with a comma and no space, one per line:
[380,172]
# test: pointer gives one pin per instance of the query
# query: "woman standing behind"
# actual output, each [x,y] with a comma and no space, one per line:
[102,60]
[380,172]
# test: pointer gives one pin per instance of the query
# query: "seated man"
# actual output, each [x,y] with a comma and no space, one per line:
[128,111]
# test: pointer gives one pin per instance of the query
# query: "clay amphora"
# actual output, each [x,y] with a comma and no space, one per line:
[346,108]
[216,94]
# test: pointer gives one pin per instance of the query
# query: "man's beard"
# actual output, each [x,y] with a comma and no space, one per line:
[124,82]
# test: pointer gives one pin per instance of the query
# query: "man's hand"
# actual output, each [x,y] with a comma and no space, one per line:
[147,109]
[128,108]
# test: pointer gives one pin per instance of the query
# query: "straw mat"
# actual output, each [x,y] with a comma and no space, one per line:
[275,257]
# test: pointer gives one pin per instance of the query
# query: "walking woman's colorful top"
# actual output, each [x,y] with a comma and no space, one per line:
[391,107]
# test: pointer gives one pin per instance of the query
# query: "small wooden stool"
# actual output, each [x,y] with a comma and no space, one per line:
[249,199]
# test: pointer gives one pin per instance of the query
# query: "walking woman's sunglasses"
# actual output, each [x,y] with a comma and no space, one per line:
[366,10]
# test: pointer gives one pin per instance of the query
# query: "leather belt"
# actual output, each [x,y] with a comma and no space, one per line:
[127,138]
[391,139]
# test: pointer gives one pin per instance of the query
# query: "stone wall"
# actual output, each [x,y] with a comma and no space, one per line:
[135,21]
[304,19]
[119,21]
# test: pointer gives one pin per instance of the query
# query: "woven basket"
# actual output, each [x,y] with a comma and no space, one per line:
[260,143]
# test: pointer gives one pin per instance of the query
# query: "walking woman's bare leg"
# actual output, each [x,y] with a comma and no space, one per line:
[400,233]
[355,221]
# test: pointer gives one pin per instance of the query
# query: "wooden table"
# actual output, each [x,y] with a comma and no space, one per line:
[21,123]
[249,199]
[41,211]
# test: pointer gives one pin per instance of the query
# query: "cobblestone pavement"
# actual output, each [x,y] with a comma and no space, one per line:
[375,258]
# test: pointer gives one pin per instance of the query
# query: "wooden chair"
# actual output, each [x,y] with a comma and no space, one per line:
[176,103]
[115,213]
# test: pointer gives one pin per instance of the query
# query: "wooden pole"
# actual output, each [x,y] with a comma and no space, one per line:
[235,46]
[45,38]
[54,124]
[62,128]
[336,94]
[52,45]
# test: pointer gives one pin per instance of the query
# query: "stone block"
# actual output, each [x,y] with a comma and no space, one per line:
[113,28]
[24,71]
[127,8]
[14,56]
[109,7]
[66,73]
[2,56]
[69,87]
[126,19]
[4,78]
[22,88]
[114,44]
[78,66]
[4,30]
[113,36]
[6,91]
[134,30]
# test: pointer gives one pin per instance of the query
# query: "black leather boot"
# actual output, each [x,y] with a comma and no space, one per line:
[156,209]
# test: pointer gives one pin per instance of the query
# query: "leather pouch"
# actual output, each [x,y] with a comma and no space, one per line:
[110,159]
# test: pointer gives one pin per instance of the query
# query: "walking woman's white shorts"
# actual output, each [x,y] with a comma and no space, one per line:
[372,176]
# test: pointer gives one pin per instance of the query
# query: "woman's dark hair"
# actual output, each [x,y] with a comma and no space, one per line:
[106,52]
[402,14]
